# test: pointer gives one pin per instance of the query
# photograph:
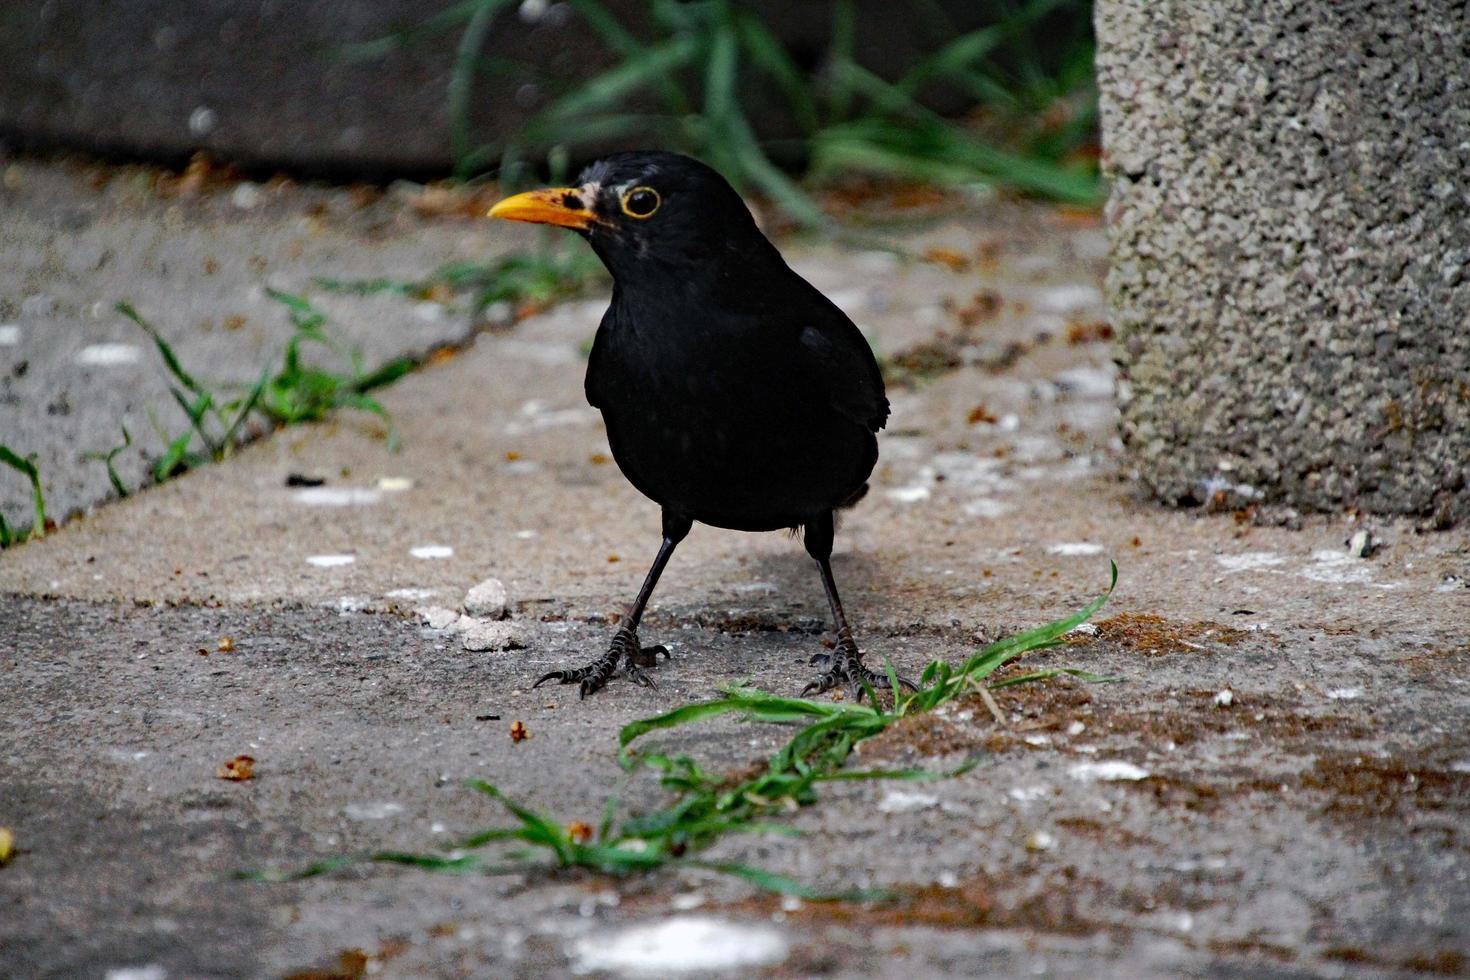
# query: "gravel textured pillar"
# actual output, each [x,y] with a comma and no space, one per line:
[1290,224]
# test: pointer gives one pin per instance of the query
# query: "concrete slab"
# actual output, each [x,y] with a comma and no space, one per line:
[1293,714]
[78,239]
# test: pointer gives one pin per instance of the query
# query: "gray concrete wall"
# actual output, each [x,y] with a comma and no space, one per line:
[1290,224]
[263,82]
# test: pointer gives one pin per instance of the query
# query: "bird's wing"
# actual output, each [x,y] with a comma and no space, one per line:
[594,385]
[843,366]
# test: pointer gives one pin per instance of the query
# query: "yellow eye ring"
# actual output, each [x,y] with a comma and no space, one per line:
[641,202]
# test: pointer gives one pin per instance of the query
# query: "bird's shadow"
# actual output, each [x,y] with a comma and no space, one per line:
[783,592]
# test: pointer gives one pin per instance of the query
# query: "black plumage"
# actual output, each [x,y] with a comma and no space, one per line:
[735,394]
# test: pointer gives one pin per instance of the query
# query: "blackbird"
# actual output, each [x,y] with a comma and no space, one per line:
[734,393]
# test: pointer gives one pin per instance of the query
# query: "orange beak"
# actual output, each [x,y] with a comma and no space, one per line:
[563,206]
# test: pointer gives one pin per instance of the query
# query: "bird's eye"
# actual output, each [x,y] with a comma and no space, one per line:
[641,202]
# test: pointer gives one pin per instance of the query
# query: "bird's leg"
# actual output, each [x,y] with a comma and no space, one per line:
[625,653]
[845,663]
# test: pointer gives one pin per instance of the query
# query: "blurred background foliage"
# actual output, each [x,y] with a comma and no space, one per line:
[1009,104]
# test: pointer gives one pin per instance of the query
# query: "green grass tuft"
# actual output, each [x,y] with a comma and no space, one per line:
[704,806]
[695,73]
[530,279]
[293,393]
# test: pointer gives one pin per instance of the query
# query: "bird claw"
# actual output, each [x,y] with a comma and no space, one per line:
[648,656]
[624,656]
[847,669]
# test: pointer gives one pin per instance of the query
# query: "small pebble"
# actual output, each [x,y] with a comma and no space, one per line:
[245,196]
[1040,841]
[1225,698]
[487,600]
[492,636]
[437,617]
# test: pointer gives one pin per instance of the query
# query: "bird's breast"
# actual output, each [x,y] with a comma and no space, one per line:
[726,430]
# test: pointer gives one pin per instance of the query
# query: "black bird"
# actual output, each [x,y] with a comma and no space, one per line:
[734,393]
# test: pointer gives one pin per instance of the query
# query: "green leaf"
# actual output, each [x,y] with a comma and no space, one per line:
[770,56]
[26,466]
[462,78]
[1049,673]
[430,862]
[616,83]
[165,351]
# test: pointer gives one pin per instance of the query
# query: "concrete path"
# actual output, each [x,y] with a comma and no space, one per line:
[1279,786]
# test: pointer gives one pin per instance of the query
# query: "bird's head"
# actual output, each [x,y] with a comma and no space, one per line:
[645,211]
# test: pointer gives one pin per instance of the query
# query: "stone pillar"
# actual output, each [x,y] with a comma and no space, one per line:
[1290,227]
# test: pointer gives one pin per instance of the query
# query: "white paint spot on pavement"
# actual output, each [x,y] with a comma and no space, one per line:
[108,355]
[331,561]
[1085,383]
[1111,770]
[971,471]
[987,508]
[1249,561]
[682,944]
[371,811]
[1337,568]
[898,801]
[1076,548]
[909,495]
[9,335]
[336,496]
[413,595]
[432,551]
[535,415]
[1068,297]
[394,484]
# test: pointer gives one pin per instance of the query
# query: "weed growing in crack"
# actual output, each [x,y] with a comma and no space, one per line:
[107,459]
[294,392]
[704,806]
[26,467]
[527,282]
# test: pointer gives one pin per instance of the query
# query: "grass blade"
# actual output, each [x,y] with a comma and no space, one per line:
[26,466]
[462,78]
[165,351]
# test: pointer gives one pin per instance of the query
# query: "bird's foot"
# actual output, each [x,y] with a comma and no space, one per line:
[845,668]
[625,655]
